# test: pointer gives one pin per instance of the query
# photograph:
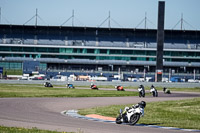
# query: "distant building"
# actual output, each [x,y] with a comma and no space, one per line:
[96,49]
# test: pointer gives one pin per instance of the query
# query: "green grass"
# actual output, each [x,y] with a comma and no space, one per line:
[181,114]
[7,90]
[36,90]
[24,130]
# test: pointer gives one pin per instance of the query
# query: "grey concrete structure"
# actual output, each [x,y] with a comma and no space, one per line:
[160,40]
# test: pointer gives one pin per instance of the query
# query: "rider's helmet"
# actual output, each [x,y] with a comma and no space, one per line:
[143,104]
[152,86]
[126,108]
[140,85]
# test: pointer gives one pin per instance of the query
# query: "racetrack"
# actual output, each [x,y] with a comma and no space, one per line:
[44,113]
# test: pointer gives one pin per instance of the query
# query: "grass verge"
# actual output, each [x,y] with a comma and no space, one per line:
[24,130]
[7,90]
[181,114]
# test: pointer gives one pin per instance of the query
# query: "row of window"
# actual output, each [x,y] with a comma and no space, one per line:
[11,65]
[29,49]
[106,51]
[43,66]
[99,51]
[18,65]
[100,57]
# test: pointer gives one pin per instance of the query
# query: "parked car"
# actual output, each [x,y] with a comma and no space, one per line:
[193,81]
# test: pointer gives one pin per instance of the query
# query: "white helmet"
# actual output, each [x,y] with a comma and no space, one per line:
[126,108]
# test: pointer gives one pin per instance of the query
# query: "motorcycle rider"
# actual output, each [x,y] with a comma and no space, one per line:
[131,114]
[141,104]
[154,91]
[141,89]
[47,84]
[166,90]
[92,85]
[119,87]
[152,88]
[69,85]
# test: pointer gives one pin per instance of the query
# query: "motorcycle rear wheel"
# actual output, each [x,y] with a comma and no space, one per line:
[134,119]
[140,94]
[154,94]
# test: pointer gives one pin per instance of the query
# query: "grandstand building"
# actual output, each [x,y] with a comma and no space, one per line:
[55,48]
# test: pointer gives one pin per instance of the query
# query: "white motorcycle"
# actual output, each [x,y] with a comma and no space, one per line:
[166,90]
[154,92]
[131,115]
[48,84]
[141,91]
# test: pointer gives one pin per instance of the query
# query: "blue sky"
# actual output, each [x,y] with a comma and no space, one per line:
[91,13]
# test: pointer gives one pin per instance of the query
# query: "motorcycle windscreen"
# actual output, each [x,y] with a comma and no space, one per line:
[120,111]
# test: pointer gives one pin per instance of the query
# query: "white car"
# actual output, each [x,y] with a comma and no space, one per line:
[193,81]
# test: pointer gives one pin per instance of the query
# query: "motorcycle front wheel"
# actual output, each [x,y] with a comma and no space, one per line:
[134,119]
[118,120]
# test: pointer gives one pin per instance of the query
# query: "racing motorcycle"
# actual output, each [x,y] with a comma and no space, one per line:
[94,87]
[70,86]
[119,88]
[132,114]
[47,84]
[141,91]
[166,90]
[154,91]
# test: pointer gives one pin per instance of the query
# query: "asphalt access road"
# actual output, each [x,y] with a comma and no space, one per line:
[44,113]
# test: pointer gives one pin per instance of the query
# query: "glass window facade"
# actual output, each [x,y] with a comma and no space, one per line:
[98,54]
[43,66]
[103,51]
[11,65]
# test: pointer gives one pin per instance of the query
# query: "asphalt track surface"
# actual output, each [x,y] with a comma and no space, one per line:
[44,113]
